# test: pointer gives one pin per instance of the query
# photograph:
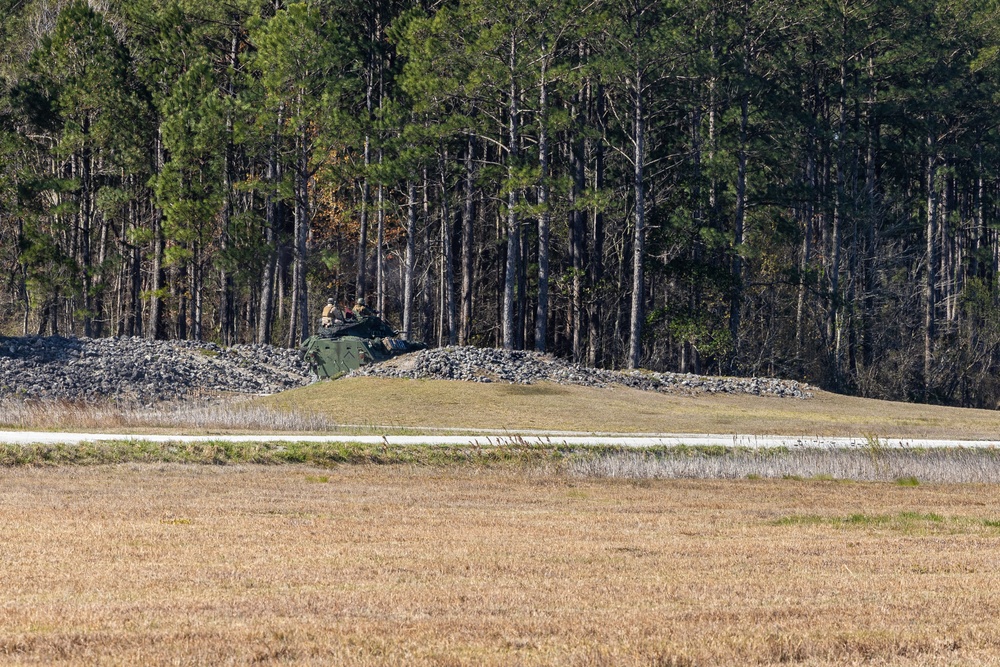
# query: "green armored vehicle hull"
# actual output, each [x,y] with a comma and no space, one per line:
[342,347]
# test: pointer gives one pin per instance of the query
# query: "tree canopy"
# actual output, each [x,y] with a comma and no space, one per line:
[808,189]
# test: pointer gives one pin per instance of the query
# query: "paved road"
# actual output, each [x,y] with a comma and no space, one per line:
[486,440]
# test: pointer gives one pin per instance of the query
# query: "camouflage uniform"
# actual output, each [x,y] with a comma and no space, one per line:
[331,314]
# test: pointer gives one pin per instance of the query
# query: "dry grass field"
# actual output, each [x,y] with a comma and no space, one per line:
[413,404]
[400,565]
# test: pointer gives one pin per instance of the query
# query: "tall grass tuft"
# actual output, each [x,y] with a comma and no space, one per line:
[229,415]
[541,460]
[902,466]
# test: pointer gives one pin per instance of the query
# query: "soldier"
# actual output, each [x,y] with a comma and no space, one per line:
[360,310]
[331,314]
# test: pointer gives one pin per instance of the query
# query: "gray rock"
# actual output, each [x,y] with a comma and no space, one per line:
[133,369]
[520,367]
[143,371]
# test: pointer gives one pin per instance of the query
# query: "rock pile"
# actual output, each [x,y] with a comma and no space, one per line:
[142,371]
[491,365]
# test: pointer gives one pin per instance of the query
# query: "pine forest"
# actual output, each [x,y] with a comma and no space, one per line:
[805,189]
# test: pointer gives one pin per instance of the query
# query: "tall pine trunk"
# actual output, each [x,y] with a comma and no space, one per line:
[379,247]
[411,241]
[930,281]
[542,311]
[299,326]
[361,284]
[227,304]
[465,328]
[447,259]
[639,241]
[736,294]
[834,324]
[272,210]
[513,235]
[154,330]
[596,264]
[577,231]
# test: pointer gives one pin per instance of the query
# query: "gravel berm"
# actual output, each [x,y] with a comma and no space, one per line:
[137,370]
[475,364]
[142,371]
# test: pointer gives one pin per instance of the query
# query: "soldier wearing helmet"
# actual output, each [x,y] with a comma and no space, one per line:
[331,314]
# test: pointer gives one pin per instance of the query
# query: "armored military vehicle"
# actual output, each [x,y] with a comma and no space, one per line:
[342,347]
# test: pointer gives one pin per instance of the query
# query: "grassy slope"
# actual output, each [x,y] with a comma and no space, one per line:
[439,403]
